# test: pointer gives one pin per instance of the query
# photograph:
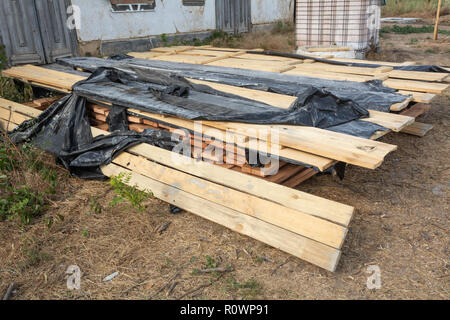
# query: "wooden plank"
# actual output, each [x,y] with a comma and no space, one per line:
[45,76]
[12,116]
[240,63]
[298,222]
[301,247]
[310,72]
[418,75]
[45,102]
[316,206]
[288,171]
[145,55]
[419,96]
[410,85]
[416,110]
[358,151]
[183,58]
[418,129]
[299,178]
[6,125]
[322,163]
[268,58]
[318,66]
[395,122]
[383,63]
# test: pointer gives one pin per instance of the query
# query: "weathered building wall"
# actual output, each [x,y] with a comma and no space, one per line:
[104,32]
[98,22]
[267,11]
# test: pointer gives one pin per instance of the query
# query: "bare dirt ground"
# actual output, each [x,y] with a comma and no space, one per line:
[401,225]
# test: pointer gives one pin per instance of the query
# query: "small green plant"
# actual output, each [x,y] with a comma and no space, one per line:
[33,255]
[124,191]
[22,203]
[413,40]
[19,199]
[408,29]
[210,262]
[85,233]
[283,27]
[431,51]
[164,38]
[49,176]
[3,58]
[95,207]
[248,289]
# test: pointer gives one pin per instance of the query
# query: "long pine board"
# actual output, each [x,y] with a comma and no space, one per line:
[301,247]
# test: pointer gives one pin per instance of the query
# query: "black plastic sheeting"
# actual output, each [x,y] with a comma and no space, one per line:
[369,95]
[422,68]
[64,130]
[164,93]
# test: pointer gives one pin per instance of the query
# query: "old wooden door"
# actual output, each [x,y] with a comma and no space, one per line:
[233,16]
[35,31]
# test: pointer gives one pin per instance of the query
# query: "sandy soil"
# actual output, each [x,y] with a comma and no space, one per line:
[402,226]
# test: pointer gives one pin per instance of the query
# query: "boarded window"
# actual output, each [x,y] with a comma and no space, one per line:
[132,5]
[193,2]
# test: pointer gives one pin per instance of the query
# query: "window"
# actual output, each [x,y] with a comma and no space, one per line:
[132,5]
[193,2]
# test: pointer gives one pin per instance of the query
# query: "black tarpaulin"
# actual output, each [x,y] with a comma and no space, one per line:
[370,95]
[64,131]
[164,93]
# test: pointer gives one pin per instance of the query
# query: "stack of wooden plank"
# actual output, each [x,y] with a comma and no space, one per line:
[306,226]
[303,145]
[409,81]
[234,194]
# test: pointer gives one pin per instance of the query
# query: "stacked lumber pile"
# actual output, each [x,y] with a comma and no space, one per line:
[306,226]
[231,192]
[421,85]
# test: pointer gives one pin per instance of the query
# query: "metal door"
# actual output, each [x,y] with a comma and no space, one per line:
[58,40]
[35,31]
[20,32]
[233,16]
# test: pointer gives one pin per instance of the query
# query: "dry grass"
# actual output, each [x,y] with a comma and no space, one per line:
[401,226]
[414,8]
[281,38]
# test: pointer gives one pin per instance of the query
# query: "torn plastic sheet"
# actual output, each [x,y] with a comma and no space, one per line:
[422,68]
[64,130]
[163,93]
[370,95]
